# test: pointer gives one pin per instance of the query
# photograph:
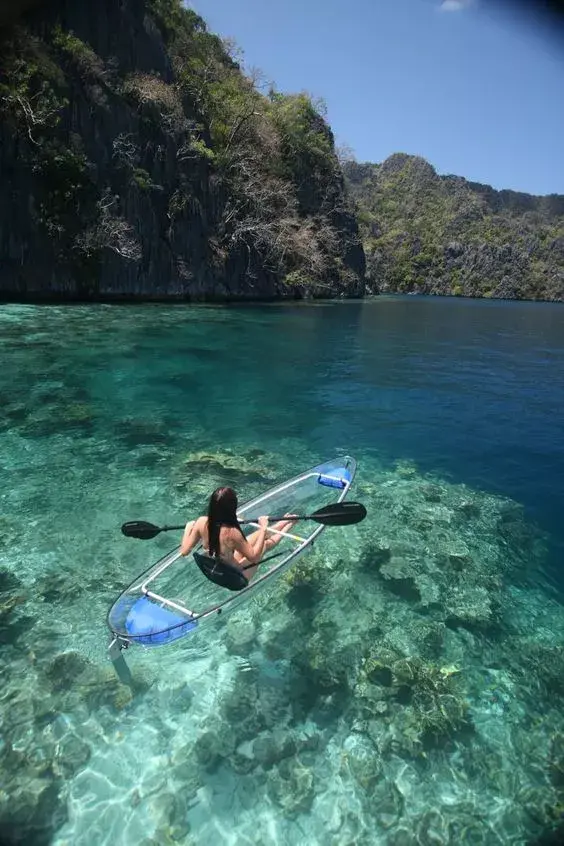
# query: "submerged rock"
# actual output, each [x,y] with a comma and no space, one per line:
[271,748]
[424,638]
[291,786]
[378,674]
[60,587]
[469,605]
[377,553]
[401,837]
[242,760]
[469,509]
[64,670]
[430,591]
[240,636]
[556,760]
[8,580]
[240,709]
[208,750]
[72,754]
[227,466]
[280,638]
[163,809]
[385,803]
[401,577]
[180,698]
[184,771]
[432,493]
[361,760]
[30,812]
[432,828]
[7,605]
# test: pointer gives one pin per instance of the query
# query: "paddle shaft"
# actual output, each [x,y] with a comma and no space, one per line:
[292,519]
[255,520]
[338,514]
[285,517]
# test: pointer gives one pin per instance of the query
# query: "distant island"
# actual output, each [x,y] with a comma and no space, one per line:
[430,234]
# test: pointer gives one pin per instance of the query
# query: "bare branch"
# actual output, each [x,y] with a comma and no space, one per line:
[109,232]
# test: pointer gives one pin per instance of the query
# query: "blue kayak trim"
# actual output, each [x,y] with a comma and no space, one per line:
[338,479]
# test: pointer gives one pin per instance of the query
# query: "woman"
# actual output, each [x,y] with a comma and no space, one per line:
[222,536]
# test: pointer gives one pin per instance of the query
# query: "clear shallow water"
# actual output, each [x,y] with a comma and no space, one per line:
[292,721]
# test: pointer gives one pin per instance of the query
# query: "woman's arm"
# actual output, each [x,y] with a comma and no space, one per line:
[252,552]
[191,536]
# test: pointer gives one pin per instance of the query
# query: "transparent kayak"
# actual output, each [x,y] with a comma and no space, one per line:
[174,598]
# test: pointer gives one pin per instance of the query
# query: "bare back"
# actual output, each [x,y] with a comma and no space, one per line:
[227,541]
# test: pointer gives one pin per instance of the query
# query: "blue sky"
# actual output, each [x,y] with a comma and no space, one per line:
[474,91]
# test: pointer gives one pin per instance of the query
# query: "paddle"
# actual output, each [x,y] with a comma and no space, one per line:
[338,514]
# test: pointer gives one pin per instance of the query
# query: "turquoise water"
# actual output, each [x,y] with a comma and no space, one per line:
[403,684]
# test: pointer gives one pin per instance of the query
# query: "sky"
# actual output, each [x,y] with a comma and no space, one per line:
[473,88]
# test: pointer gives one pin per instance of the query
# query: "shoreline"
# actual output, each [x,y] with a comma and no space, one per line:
[254,301]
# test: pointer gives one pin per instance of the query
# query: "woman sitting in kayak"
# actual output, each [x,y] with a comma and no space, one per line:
[222,536]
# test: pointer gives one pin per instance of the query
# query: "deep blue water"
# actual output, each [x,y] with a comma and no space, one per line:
[472,390]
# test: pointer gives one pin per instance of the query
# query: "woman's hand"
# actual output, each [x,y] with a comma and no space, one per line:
[263,523]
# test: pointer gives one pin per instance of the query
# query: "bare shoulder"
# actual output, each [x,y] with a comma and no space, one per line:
[196,525]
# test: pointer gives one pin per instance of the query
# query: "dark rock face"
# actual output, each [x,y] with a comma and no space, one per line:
[114,187]
[430,234]
[11,10]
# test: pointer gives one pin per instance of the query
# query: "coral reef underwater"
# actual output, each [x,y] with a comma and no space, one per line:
[401,685]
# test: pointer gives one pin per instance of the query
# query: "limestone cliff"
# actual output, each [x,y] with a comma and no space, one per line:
[137,161]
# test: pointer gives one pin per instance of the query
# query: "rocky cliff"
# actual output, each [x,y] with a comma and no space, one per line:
[435,234]
[137,161]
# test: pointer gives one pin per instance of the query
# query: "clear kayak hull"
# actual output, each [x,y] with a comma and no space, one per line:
[173,598]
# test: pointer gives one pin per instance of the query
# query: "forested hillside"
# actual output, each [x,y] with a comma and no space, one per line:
[137,160]
[444,235]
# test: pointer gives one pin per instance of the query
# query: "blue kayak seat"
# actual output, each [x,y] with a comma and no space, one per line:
[221,572]
[152,624]
[336,479]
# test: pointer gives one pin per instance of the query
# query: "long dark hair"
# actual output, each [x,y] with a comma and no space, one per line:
[222,511]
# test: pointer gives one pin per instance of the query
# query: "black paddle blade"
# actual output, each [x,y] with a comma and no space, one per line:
[340,514]
[140,529]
